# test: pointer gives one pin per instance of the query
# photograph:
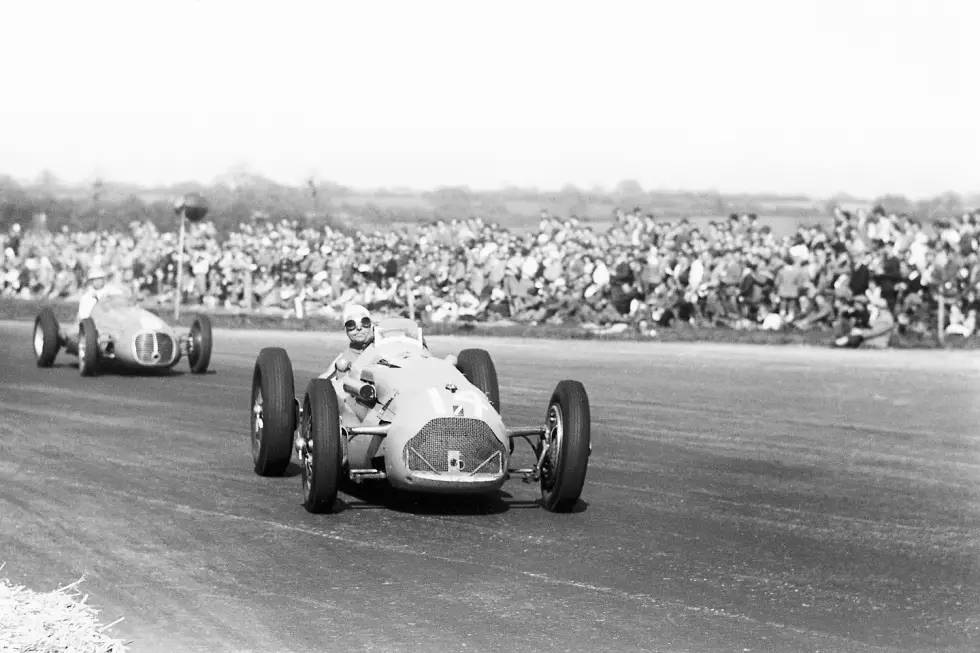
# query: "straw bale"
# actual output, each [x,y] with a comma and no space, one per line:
[60,620]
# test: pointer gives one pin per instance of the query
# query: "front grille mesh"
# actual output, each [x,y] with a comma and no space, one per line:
[165,345]
[146,343]
[472,438]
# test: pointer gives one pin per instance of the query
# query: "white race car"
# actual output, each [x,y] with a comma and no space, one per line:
[423,423]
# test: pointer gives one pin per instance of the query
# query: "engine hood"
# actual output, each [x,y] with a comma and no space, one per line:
[128,319]
[421,389]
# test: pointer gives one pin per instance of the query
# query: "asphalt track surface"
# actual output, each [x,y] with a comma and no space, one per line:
[738,498]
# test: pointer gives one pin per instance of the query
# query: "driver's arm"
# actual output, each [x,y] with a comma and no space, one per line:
[85,305]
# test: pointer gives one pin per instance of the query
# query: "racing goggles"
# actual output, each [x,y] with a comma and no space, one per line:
[350,325]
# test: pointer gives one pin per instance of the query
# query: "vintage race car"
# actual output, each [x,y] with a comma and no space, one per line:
[122,334]
[422,423]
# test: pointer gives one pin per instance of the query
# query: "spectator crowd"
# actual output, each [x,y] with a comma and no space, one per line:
[642,273]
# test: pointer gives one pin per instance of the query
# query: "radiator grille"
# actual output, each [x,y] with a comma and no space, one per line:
[472,438]
[148,343]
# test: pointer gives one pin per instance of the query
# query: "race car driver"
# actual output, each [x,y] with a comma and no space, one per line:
[96,290]
[360,330]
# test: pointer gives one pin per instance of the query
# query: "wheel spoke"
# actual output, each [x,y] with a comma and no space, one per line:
[308,453]
[551,447]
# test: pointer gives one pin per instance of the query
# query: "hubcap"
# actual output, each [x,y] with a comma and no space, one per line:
[38,340]
[553,437]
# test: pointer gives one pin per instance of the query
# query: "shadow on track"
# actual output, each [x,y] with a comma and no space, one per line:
[117,370]
[109,368]
[292,471]
[380,495]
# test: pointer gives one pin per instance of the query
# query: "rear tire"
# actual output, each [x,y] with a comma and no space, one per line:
[199,356]
[88,348]
[568,424]
[47,338]
[272,412]
[478,368]
[322,462]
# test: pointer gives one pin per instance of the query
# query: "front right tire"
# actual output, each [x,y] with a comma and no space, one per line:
[199,356]
[323,456]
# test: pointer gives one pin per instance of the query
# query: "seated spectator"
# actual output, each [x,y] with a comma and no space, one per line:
[820,315]
[877,334]
[735,273]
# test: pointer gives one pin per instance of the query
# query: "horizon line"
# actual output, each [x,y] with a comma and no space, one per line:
[226,179]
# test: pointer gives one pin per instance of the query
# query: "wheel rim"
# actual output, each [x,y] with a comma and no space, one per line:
[258,421]
[82,349]
[307,452]
[38,340]
[553,436]
[194,344]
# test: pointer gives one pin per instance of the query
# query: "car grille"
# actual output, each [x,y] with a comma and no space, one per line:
[473,439]
[148,343]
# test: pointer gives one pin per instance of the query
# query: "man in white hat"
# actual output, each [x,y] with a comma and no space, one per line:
[360,331]
[96,289]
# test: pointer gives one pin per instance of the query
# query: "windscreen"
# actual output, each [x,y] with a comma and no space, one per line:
[398,330]
[120,300]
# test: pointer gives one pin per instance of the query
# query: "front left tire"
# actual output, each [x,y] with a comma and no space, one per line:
[568,434]
[478,368]
[47,338]
[88,348]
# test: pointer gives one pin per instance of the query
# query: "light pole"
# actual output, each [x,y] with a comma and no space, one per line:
[193,207]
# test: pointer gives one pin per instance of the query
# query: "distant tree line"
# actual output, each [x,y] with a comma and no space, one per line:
[243,197]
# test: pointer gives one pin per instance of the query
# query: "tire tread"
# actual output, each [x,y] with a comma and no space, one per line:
[275,373]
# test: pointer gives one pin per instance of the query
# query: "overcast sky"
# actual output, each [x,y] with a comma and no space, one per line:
[817,97]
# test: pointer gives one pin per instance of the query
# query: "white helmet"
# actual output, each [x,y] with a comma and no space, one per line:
[96,272]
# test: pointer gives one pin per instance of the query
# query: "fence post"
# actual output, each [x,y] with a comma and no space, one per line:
[411,299]
[248,288]
[179,295]
[942,319]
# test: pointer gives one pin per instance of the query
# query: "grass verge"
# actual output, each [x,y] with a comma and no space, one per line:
[24,309]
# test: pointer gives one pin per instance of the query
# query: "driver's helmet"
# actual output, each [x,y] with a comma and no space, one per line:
[354,313]
[96,272]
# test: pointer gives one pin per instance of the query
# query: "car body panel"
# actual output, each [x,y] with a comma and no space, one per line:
[443,433]
[134,336]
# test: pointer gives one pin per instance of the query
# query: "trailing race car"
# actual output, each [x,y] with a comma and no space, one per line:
[124,334]
[423,423]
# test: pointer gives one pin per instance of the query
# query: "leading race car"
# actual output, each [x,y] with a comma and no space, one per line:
[123,334]
[423,423]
